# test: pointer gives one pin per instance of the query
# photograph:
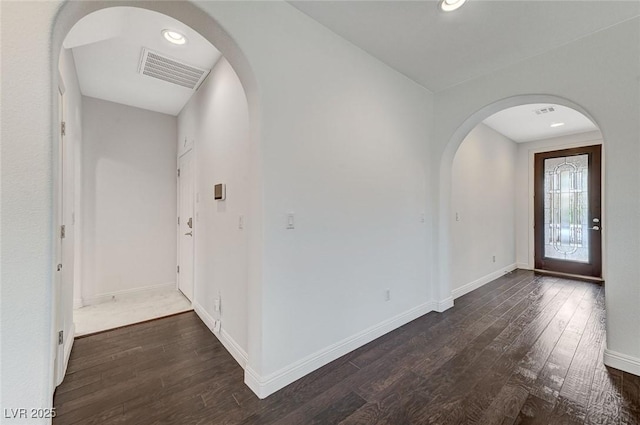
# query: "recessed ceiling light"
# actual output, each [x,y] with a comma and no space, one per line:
[451,5]
[174,37]
[557,124]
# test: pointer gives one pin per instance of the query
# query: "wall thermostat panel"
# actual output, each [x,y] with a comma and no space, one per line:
[220,192]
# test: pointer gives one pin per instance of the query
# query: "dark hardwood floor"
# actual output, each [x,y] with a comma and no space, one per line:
[523,349]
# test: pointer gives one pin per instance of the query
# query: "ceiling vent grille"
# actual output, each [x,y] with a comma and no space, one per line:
[156,65]
[544,110]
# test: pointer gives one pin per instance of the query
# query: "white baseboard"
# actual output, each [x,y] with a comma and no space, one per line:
[102,298]
[254,382]
[523,266]
[227,341]
[265,386]
[622,361]
[234,349]
[68,345]
[444,305]
[465,289]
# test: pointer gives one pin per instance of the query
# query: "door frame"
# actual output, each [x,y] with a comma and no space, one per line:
[189,151]
[58,310]
[594,269]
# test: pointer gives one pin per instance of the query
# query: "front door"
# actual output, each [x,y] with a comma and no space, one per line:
[568,223]
[186,224]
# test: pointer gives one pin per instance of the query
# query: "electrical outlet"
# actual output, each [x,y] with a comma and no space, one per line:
[216,326]
[241,222]
[494,258]
[291,221]
[457,216]
[216,305]
[387,295]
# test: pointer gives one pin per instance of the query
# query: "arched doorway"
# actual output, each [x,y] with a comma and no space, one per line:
[201,22]
[446,219]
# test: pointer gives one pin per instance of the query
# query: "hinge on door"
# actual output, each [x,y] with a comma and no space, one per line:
[178,220]
[62,232]
[178,172]
[63,128]
[178,269]
[60,337]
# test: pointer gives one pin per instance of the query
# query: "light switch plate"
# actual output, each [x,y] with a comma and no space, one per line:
[220,192]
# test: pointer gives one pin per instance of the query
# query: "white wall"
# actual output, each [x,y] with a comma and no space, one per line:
[215,122]
[598,73]
[525,247]
[483,204]
[345,148]
[344,142]
[28,84]
[129,199]
[71,191]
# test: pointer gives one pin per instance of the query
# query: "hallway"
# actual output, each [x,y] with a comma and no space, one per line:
[521,349]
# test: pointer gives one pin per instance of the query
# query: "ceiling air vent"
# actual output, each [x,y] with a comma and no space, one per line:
[156,65]
[544,110]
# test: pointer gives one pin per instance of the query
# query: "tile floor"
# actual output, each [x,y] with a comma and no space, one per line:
[128,309]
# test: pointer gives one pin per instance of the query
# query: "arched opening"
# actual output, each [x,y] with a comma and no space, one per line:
[204,142]
[493,214]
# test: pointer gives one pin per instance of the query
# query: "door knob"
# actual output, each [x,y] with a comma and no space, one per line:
[189,234]
[596,220]
[595,228]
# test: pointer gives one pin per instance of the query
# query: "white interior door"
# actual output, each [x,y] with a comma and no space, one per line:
[58,299]
[186,226]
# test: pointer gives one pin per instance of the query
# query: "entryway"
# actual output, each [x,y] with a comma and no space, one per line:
[526,194]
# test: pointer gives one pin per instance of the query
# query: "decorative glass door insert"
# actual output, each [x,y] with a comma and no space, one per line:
[566,208]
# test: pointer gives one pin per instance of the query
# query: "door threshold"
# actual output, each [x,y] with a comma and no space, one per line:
[570,276]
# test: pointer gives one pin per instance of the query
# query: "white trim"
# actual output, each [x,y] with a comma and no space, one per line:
[109,296]
[61,87]
[68,345]
[267,385]
[227,341]
[234,348]
[78,303]
[523,266]
[622,361]
[190,153]
[254,382]
[465,289]
[444,305]
[204,316]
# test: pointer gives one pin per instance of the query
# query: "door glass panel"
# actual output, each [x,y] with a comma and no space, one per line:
[566,208]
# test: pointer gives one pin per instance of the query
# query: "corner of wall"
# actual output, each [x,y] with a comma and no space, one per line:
[443,305]
[227,341]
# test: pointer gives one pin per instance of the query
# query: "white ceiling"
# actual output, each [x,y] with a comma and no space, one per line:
[522,123]
[439,49]
[107,45]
